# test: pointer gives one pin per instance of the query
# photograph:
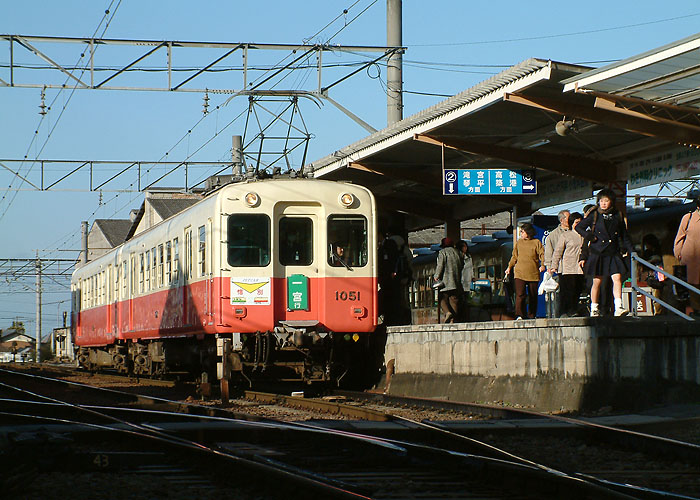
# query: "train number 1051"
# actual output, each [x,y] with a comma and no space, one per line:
[351,295]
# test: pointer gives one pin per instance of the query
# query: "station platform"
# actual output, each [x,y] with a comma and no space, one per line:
[552,365]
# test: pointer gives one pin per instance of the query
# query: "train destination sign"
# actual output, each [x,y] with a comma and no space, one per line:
[489,181]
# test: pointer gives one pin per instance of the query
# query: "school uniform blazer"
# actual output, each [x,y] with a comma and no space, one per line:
[599,237]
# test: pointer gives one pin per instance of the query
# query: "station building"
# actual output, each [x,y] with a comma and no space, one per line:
[624,126]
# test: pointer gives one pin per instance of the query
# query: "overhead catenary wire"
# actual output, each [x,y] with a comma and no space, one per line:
[34,136]
[558,35]
[187,135]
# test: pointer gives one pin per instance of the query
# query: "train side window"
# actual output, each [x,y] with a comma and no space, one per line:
[142,272]
[154,259]
[248,241]
[202,251]
[116,282]
[160,265]
[108,285]
[176,260]
[188,253]
[124,279]
[296,235]
[147,270]
[132,274]
[347,241]
[168,262]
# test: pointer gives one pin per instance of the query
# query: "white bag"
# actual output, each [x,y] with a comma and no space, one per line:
[548,284]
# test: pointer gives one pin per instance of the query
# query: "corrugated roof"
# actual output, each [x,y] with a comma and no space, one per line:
[167,207]
[670,73]
[114,230]
[464,98]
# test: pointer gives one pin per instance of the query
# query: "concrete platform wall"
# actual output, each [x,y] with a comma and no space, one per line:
[547,363]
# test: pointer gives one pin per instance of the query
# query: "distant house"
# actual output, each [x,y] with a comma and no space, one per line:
[104,235]
[158,205]
[15,344]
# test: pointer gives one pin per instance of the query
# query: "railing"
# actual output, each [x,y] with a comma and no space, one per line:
[636,289]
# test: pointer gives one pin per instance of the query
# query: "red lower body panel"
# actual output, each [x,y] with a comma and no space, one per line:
[335,304]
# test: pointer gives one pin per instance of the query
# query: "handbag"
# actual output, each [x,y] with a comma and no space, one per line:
[681,292]
[653,280]
[549,284]
[508,278]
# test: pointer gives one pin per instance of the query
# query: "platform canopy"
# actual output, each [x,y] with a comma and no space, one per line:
[510,121]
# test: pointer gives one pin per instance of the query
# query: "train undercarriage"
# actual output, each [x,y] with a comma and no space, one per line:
[282,355]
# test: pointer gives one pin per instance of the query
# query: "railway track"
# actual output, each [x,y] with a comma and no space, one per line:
[326,462]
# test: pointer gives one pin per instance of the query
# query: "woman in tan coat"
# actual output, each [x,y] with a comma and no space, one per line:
[686,248]
[571,281]
[527,262]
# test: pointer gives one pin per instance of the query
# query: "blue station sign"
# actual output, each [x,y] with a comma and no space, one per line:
[489,181]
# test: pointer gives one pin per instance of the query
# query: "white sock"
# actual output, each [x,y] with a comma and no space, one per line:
[618,303]
[594,306]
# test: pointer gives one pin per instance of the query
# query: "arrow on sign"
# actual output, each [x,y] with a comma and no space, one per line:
[529,187]
[451,188]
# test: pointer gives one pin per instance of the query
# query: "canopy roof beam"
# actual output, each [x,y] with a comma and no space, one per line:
[576,166]
[604,113]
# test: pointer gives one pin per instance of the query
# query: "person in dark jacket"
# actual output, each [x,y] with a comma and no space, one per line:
[606,231]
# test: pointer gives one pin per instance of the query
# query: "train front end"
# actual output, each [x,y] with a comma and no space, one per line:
[298,286]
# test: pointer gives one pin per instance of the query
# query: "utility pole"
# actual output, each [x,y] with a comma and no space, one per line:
[38,308]
[394,64]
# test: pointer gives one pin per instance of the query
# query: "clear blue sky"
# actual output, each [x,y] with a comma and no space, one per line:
[452,45]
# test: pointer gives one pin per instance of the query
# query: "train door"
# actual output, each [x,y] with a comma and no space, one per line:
[186,276]
[210,273]
[299,262]
[131,290]
[115,300]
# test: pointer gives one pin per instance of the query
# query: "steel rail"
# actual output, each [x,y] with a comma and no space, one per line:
[510,460]
[668,445]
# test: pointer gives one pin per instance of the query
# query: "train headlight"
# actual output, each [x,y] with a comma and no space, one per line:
[346,200]
[252,199]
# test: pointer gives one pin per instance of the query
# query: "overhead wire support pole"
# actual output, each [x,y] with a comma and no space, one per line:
[38,308]
[12,62]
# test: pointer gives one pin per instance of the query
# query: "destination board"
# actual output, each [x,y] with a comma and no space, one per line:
[489,181]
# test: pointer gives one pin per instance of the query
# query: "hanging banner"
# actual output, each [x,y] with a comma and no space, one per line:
[672,164]
[563,190]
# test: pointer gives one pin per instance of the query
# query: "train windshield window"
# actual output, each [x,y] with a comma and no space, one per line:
[249,240]
[296,241]
[347,241]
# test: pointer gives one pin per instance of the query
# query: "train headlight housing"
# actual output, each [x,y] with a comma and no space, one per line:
[346,200]
[252,199]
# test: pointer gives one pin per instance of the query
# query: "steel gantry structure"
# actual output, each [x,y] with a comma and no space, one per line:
[102,77]
[57,270]
[277,135]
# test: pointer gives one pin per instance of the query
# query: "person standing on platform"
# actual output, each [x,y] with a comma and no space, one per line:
[449,272]
[686,248]
[567,253]
[608,237]
[467,276]
[550,243]
[526,263]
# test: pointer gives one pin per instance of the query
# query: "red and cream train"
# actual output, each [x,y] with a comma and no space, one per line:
[270,278]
